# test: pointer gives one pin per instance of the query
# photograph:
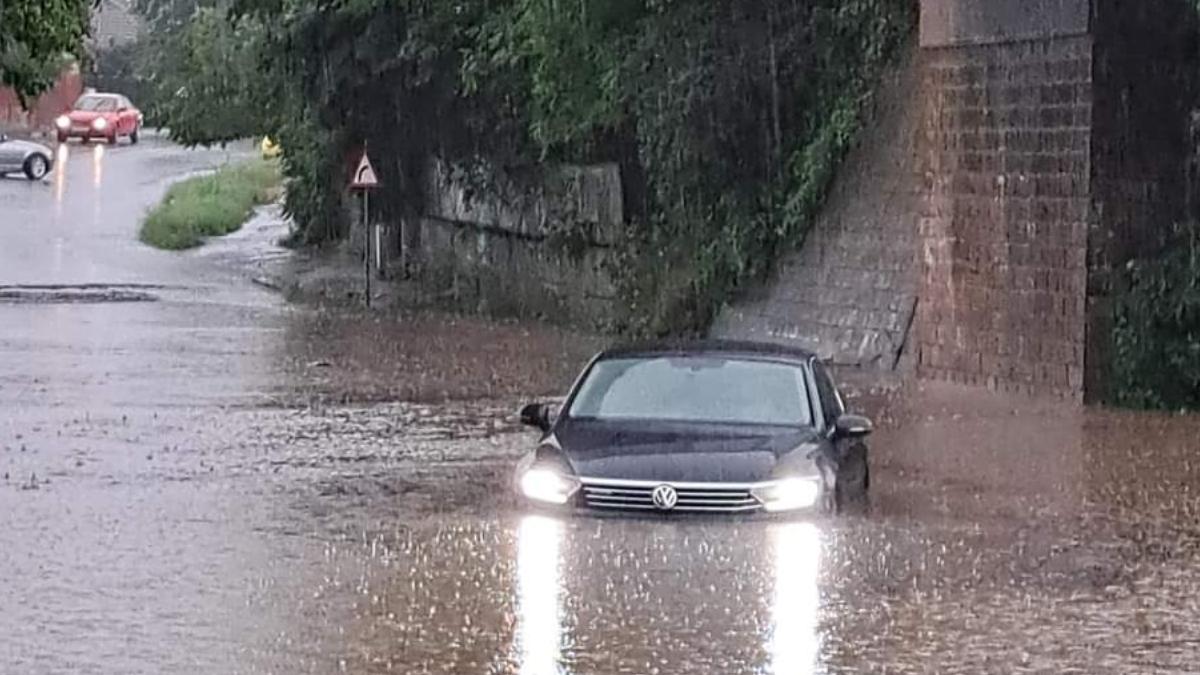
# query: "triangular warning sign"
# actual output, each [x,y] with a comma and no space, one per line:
[364,176]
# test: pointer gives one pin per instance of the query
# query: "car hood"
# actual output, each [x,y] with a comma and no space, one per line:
[679,453]
[88,115]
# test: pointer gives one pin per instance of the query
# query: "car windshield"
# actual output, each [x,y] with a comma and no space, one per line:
[97,104]
[695,389]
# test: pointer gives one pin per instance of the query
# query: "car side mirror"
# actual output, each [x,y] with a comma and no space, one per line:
[853,426]
[537,415]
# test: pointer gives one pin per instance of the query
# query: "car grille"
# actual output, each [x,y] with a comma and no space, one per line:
[692,497]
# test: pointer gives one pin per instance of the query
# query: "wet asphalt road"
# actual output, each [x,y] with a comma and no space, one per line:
[211,481]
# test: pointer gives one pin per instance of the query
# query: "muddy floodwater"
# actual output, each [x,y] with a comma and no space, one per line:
[212,481]
[234,514]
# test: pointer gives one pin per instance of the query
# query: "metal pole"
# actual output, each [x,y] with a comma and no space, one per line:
[404,248]
[378,231]
[367,242]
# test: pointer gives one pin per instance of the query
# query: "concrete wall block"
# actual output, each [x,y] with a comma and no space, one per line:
[493,271]
[531,207]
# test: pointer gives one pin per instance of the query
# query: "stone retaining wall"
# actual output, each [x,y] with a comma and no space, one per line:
[502,250]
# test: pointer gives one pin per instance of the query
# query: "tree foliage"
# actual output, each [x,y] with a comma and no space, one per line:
[205,78]
[35,36]
[1156,336]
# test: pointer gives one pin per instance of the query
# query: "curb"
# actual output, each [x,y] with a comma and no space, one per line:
[268,283]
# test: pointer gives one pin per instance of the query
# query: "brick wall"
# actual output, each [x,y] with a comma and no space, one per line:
[1003,228]
[955,22]
[1144,92]
[42,112]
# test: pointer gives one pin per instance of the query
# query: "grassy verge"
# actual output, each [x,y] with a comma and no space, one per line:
[211,206]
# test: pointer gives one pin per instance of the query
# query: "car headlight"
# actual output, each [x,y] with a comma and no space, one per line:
[790,494]
[549,486]
[100,124]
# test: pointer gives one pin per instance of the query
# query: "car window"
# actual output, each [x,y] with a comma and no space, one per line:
[97,104]
[695,389]
[831,401]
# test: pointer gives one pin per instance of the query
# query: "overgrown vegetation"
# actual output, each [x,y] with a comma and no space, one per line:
[1156,335]
[728,117]
[211,205]
[1155,363]
[35,37]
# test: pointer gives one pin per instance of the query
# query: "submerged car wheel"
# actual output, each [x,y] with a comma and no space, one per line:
[135,136]
[854,478]
[36,167]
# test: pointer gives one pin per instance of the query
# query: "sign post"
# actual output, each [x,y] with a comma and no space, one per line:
[366,180]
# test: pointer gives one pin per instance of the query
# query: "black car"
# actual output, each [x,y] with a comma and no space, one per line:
[721,427]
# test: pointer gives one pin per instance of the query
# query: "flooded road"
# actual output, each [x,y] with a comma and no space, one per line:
[212,481]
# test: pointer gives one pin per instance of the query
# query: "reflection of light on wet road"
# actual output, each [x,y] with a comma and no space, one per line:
[795,641]
[63,155]
[97,181]
[59,246]
[97,165]
[539,615]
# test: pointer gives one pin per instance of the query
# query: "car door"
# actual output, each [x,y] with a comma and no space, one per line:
[850,453]
[123,116]
[10,156]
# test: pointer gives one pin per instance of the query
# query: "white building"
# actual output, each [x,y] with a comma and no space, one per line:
[114,24]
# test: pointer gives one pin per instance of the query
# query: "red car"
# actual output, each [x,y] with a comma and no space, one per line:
[106,116]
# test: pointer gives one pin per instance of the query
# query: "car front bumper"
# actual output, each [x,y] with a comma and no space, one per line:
[651,498]
[85,132]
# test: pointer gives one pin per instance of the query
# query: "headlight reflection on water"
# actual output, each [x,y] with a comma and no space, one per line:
[539,609]
[61,156]
[795,642]
[97,165]
[793,646]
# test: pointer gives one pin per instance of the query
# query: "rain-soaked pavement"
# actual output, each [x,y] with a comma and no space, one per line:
[202,479]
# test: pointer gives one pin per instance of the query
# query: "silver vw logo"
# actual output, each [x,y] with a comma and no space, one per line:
[665,497]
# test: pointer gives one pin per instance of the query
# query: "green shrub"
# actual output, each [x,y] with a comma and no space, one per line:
[210,206]
[1156,333]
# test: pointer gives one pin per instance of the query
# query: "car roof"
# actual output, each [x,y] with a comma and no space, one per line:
[726,348]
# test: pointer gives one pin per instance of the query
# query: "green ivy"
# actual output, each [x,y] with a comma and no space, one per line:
[1156,334]
[740,148]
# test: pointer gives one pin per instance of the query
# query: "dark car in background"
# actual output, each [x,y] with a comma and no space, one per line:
[703,427]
